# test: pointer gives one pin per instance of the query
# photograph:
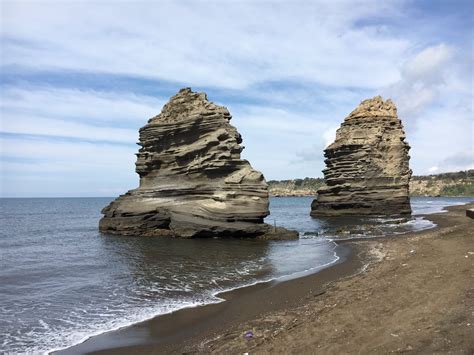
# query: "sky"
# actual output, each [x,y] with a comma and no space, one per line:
[79,78]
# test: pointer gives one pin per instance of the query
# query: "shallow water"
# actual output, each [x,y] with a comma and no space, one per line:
[61,281]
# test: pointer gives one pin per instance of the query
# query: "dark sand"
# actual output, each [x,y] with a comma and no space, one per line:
[412,293]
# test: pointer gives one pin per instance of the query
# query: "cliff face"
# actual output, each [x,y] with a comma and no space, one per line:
[445,184]
[367,169]
[295,187]
[192,180]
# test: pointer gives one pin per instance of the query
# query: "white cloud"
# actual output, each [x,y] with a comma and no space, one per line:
[204,43]
[423,77]
[73,156]
[278,120]
[440,138]
[426,66]
[82,114]
[463,160]
[304,66]
[57,165]
[282,143]
[434,99]
[39,167]
[329,135]
[47,127]
[107,106]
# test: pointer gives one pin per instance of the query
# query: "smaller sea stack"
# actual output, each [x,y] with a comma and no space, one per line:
[367,170]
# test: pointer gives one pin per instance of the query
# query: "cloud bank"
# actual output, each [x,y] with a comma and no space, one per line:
[79,78]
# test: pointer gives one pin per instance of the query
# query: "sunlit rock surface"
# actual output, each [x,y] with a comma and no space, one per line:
[193,182]
[367,170]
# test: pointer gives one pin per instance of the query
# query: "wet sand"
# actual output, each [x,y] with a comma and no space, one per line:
[409,293]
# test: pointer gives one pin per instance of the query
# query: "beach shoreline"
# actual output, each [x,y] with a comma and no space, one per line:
[274,311]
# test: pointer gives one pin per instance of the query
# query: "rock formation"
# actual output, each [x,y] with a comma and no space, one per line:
[367,169]
[192,180]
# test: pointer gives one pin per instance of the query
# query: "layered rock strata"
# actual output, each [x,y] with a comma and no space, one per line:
[367,170]
[193,182]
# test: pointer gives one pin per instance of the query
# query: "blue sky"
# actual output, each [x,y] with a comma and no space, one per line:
[79,78]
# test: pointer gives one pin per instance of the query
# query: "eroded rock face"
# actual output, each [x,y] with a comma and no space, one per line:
[192,180]
[367,170]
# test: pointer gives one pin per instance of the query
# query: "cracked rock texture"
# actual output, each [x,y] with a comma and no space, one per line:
[193,182]
[367,170]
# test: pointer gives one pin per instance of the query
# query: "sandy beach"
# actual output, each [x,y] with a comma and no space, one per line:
[408,293]
[417,298]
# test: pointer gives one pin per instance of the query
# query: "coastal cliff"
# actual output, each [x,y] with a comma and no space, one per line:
[295,187]
[367,170]
[459,184]
[193,182]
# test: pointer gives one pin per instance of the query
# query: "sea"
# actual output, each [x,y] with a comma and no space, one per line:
[62,282]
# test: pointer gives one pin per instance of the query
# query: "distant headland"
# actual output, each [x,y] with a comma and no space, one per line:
[459,183]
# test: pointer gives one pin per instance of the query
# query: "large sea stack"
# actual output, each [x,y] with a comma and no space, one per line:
[192,180]
[367,170]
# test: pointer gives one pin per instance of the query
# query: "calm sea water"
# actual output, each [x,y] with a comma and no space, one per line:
[62,282]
